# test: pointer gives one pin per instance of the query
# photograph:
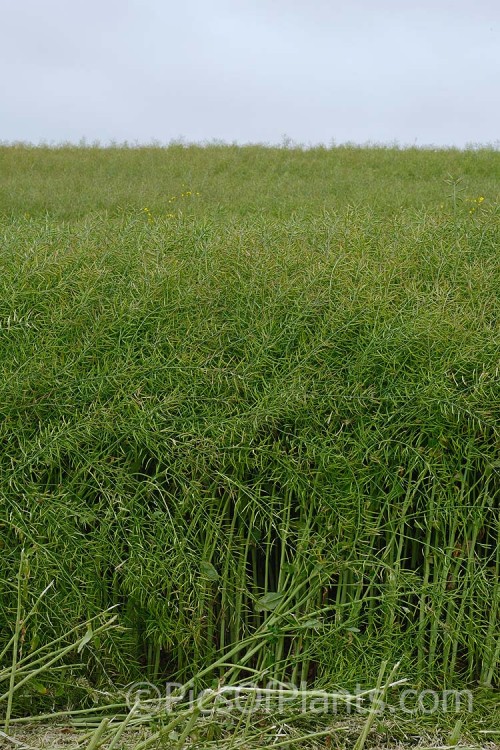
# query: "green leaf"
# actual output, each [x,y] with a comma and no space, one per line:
[269,601]
[35,642]
[86,638]
[39,687]
[312,624]
[208,570]
[255,534]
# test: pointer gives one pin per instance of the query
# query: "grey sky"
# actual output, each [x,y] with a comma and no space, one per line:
[251,70]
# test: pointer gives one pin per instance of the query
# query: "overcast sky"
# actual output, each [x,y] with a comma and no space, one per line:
[251,71]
